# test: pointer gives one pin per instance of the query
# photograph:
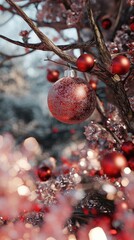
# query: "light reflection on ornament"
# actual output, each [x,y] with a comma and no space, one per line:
[77,178]
[72,237]
[124,182]
[97,233]
[50,238]
[90,153]
[127,170]
[23,190]
[14,183]
[31,145]
[109,188]
[22,162]
[83,163]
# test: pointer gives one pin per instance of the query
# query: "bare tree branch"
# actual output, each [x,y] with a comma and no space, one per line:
[104,53]
[47,42]
[41,46]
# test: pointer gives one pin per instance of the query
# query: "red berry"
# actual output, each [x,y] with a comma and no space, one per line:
[44,173]
[85,62]
[1,8]
[24,33]
[55,130]
[128,148]
[93,84]
[112,163]
[120,65]
[53,75]
[71,100]
[106,23]
[132,27]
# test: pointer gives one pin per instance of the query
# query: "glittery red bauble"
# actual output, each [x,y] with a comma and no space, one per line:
[128,148]
[44,173]
[120,65]
[106,23]
[71,100]
[52,75]
[112,164]
[132,27]
[85,62]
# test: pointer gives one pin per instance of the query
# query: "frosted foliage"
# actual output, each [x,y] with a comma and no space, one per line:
[48,191]
[56,11]
[98,136]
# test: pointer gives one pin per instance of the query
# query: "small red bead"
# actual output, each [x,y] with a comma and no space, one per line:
[85,211]
[120,65]
[106,23]
[52,75]
[85,62]
[24,33]
[132,27]
[112,164]
[44,173]
[55,130]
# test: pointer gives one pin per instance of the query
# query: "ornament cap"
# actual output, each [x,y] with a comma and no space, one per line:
[70,73]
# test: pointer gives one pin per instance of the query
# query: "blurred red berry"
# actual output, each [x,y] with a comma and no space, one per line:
[44,173]
[53,75]
[112,163]
[106,23]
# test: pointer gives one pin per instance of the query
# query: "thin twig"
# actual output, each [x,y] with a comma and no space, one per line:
[48,43]
[104,53]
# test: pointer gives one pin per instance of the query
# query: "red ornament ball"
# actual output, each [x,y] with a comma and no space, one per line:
[112,164]
[128,148]
[132,26]
[85,62]
[44,173]
[93,84]
[71,100]
[106,23]
[52,75]
[120,65]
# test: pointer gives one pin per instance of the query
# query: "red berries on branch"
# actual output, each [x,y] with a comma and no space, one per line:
[120,65]
[85,62]
[52,75]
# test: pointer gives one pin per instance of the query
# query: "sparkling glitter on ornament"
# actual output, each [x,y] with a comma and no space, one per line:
[112,163]
[44,173]
[71,100]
